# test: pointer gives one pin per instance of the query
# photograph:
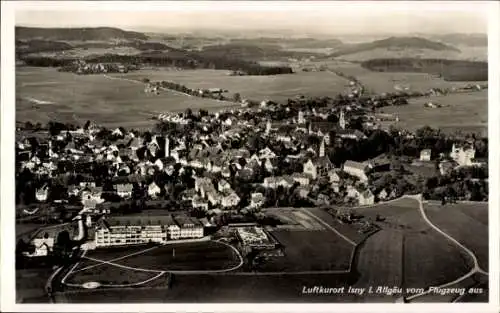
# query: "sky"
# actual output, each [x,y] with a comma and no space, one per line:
[311,17]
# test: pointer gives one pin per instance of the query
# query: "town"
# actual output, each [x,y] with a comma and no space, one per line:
[198,171]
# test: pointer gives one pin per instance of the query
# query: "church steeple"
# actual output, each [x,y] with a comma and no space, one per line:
[268,127]
[322,148]
[342,120]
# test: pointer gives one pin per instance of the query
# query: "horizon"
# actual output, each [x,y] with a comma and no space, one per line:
[325,19]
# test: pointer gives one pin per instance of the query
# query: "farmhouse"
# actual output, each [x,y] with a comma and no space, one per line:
[463,155]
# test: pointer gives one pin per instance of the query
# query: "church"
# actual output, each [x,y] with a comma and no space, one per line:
[318,167]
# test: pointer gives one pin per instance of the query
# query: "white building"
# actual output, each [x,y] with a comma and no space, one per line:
[189,227]
[463,155]
[425,155]
[356,169]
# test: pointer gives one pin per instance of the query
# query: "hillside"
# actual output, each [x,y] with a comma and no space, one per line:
[77,34]
[394,43]
[451,70]
[468,40]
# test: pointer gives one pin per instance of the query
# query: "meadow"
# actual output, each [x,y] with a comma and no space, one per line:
[467,112]
[407,252]
[466,226]
[258,88]
[44,94]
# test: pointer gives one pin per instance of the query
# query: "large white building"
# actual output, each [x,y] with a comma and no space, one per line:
[130,230]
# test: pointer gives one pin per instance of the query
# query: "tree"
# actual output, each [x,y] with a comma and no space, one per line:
[237,97]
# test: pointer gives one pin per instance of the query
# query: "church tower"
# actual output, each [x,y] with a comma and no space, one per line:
[268,127]
[342,120]
[322,148]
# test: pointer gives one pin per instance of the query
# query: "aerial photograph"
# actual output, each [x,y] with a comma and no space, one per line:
[330,153]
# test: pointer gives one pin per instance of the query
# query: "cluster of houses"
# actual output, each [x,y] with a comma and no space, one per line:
[81,67]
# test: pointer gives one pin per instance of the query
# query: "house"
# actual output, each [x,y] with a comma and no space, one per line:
[230,200]
[356,169]
[153,190]
[92,193]
[366,197]
[334,176]
[199,202]
[124,190]
[302,178]
[382,195]
[463,155]
[425,155]
[270,165]
[42,193]
[257,200]
[446,167]
[274,181]
[223,185]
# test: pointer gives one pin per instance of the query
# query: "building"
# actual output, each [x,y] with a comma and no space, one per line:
[366,197]
[140,229]
[257,200]
[42,193]
[230,200]
[425,155]
[463,155]
[124,190]
[356,169]
[342,121]
[189,227]
[153,190]
[320,166]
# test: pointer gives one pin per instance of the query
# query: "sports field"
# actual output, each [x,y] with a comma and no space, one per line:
[465,223]
[44,94]
[277,87]
[141,265]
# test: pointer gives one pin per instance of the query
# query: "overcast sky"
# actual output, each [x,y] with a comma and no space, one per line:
[311,17]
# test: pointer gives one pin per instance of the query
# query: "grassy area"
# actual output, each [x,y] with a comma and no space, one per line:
[44,94]
[464,111]
[278,87]
[310,251]
[187,256]
[465,229]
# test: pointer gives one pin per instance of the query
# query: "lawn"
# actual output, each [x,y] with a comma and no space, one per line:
[44,94]
[464,111]
[277,87]
[467,230]
[310,251]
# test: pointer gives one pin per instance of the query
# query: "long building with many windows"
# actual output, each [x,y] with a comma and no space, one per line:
[130,230]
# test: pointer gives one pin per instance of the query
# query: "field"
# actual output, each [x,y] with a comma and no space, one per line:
[295,219]
[310,251]
[44,94]
[278,87]
[407,251]
[464,111]
[465,223]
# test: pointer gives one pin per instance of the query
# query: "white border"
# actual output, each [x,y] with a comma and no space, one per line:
[7,287]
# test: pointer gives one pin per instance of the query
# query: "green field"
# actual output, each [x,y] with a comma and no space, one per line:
[407,252]
[44,94]
[465,223]
[464,111]
[277,87]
